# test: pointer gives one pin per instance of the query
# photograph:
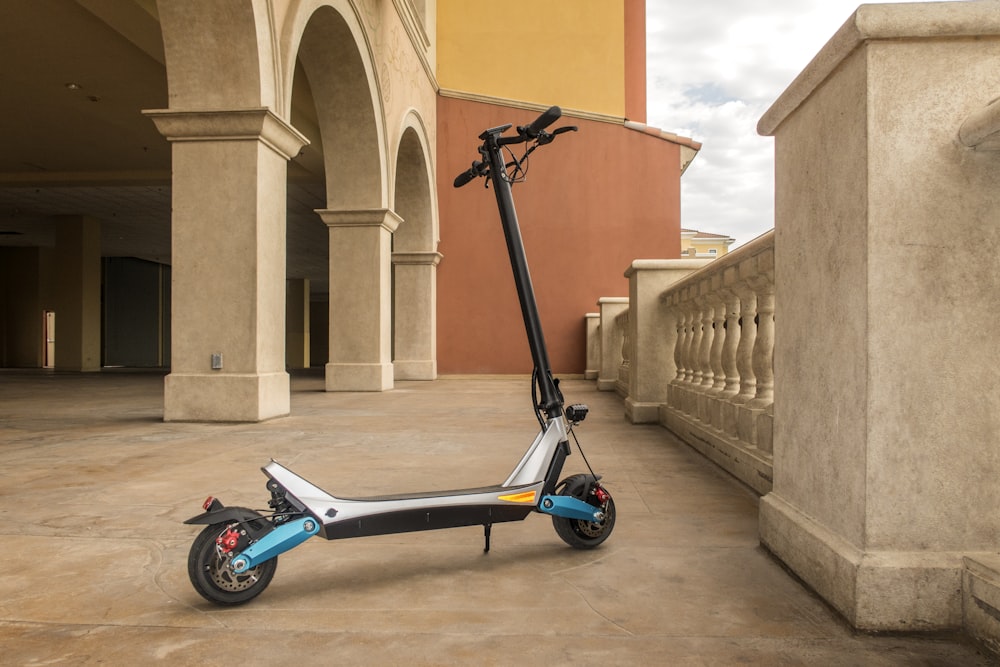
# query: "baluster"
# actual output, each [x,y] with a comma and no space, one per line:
[732,308]
[697,334]
[744,359]
[718,343]
[712,396]
[673,389]
[688,337]
[679,343]
[763,350]
[626,367]
[744,351]
[707,340]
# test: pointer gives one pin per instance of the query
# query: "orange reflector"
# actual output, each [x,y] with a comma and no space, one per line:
[526,497]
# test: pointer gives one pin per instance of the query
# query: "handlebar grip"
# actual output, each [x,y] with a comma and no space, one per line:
[465,177]
[550,116]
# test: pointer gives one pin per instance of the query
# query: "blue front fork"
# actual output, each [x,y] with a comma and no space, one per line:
[571,508]
[278,541]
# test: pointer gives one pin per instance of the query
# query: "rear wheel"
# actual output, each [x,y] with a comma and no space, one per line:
[581,534]
[210,566]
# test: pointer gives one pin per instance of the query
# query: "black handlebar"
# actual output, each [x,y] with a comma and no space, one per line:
[468,174]
[550,116]
[535,131]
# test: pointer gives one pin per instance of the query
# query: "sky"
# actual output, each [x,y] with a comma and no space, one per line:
[713,67]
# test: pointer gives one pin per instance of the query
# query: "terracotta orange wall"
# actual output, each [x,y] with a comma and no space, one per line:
[594,201]
[635,60]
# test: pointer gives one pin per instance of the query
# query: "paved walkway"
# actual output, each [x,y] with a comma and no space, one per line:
[95,487]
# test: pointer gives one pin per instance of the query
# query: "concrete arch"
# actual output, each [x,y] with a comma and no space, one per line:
[415,257]
[330,44]
[219,55]
[327,38]
[413,189]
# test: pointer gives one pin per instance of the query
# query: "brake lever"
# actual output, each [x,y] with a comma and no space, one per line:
[547,137]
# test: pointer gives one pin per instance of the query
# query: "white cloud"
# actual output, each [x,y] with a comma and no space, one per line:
[713,68]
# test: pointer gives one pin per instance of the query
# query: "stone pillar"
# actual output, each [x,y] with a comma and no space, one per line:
[886,407]
[593,328]
[611,341]
[228,258]
[360,299]
[297,324]
[75,293]
[415,315]
[652,335]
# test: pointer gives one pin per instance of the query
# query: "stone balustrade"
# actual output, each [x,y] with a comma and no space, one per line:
[879,489]
[696,340]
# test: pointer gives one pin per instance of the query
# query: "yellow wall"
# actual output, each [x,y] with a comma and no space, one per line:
[565,52]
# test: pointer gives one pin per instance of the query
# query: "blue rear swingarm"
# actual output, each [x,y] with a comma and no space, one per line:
[278,541]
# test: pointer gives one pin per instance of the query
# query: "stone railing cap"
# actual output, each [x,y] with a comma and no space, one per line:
[883,22]
[666,265]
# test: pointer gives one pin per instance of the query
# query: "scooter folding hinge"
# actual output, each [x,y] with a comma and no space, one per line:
[570,508]
[278,541]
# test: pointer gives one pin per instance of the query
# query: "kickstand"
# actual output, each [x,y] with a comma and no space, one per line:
[487,528]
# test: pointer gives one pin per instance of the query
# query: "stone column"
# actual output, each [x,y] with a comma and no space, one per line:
[228,258]
[360,299]
[415,315]
[75,293]
[297,324]
[593,328]
[653,334]
[611,341]
[886,408]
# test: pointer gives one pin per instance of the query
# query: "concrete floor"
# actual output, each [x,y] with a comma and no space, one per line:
[95,487]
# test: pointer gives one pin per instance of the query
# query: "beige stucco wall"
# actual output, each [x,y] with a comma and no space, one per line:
[886,407]
[370,66]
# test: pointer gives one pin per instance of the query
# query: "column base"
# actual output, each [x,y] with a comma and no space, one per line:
[875,591]
[642,413]
[414,369]
[231,397]
[359,377]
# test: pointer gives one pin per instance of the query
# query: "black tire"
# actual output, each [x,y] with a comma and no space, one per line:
[212,575]
[577,533]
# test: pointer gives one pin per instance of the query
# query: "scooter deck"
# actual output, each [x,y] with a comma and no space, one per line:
[425,518]
[343,517]
[428,494]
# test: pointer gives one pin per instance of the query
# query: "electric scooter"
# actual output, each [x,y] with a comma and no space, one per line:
[235,557]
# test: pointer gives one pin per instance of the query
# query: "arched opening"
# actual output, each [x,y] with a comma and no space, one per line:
[335,99]
[415,259]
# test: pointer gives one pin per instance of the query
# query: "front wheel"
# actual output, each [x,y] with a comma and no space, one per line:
[581,534]
[211,572]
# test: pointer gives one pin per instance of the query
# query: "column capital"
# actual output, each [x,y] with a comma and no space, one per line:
[429,258]
[258,124]
[366,217]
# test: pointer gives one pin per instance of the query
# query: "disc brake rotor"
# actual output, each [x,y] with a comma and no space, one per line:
[220,567]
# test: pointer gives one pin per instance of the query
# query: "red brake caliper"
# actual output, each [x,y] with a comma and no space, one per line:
[602,495]
[228,540]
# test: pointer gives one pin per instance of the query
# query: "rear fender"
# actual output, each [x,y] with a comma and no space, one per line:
[225,515]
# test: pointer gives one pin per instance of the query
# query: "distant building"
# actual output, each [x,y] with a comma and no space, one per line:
[703,244]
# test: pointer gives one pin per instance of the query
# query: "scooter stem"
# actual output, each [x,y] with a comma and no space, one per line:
[551,403]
